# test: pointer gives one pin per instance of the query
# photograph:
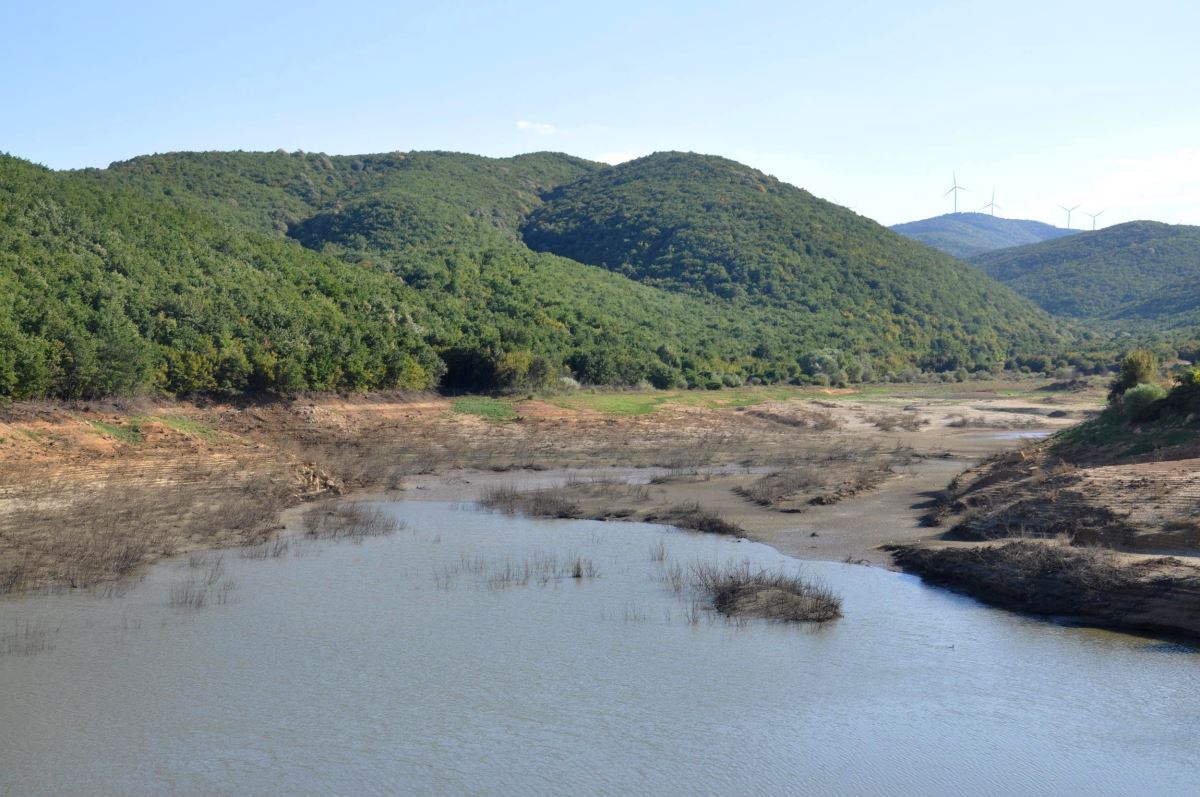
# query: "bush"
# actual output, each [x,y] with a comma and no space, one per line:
[1184,398]
[1139,401]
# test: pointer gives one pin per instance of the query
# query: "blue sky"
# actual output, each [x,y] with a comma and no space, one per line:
[869,104]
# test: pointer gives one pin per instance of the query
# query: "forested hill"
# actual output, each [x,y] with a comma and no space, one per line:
[1141,271]
[237,272]
[704,225]
[105,292]
[968,234]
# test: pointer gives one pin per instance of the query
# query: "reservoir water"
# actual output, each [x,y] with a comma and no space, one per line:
[459,656]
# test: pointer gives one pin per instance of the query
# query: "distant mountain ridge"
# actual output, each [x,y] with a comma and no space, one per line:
[1143,271]
[965,235]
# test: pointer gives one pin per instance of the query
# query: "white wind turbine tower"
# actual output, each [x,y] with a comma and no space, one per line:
[954,189]
[1094,216]
[992,205]
[1069,211]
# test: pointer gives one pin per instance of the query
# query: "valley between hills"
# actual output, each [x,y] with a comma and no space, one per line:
[193,343]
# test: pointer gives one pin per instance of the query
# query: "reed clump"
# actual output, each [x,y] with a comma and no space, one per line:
[207,584]
[537,568]
[741,591]
[694,517]
[534,503]
[349,520]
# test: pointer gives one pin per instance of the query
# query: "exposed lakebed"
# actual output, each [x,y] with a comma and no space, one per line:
[460,656]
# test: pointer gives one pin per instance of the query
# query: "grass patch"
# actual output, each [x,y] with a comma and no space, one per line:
[631,403]
[644,402]
[186,426]
[490,409]
[1113,434]
[126,434]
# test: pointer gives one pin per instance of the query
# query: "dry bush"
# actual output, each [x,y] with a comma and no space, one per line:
[696,518]
[534,503]
[347,520]
[978,422]
[503,497]
[549,503]
[893,421]
[737,590]
[603,487]
[819,420]
[75,535]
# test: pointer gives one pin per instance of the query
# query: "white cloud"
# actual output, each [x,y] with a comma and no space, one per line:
[537,128]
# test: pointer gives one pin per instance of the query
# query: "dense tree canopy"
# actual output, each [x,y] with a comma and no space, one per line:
[248,272]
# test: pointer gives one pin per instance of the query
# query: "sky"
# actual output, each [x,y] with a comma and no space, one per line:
[872,105]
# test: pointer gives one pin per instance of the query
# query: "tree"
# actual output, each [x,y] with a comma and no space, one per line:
[1140,367]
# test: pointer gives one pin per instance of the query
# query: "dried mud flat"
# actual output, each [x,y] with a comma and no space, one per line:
[90,493]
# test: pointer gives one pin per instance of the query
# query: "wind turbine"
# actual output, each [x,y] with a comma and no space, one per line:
[1069,211]
[954,190]
[994,207]
[1093,215]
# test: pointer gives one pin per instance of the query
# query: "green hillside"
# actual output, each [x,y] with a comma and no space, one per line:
[1142,271]
[238,272]
[705,225]
[968,234]
[104,292]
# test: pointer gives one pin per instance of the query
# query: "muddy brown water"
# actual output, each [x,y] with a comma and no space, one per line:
[421,663]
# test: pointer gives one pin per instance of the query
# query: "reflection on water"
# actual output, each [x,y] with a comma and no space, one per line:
[463,656]
[1036,434]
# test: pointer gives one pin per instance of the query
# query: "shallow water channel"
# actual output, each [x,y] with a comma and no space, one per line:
[424,663]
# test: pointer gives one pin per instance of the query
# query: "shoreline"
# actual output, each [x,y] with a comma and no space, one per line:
[858,471]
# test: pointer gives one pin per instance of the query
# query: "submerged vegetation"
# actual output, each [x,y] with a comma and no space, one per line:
[348,520]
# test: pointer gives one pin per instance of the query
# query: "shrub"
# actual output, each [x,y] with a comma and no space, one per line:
[1184,398]
[1138,402]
